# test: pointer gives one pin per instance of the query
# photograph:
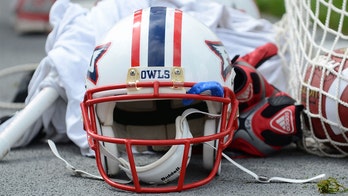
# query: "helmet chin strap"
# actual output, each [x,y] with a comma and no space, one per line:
[167,166]
[266,179]
[70,167]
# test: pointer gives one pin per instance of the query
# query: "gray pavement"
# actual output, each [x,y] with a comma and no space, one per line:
[34,170]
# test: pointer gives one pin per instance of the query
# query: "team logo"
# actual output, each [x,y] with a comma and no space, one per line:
[218,49]
[98,53]
[283,122]
[155,74]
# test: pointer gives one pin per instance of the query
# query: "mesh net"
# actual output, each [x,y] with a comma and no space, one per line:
[310,34]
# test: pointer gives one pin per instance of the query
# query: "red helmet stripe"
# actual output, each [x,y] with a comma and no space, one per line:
[177,38]
[136,39]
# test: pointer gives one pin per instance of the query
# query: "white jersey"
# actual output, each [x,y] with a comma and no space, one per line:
[77,30]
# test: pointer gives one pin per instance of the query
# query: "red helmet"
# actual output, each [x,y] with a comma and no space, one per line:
[159,90]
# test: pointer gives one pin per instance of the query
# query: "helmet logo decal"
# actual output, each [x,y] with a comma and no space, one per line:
[155,40]
[98,53]
[166,178]
[282,122]
[218,48]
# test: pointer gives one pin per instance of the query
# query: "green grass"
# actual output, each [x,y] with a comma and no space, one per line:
[334,16]
[276,8]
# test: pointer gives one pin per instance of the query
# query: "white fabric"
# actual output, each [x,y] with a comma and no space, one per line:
[76,31]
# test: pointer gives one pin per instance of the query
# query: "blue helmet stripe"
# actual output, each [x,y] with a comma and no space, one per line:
[156,45]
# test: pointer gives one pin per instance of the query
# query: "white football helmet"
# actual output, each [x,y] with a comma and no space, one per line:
[159,85]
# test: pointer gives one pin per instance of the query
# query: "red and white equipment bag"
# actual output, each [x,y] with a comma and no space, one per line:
[315,34]
[32,15]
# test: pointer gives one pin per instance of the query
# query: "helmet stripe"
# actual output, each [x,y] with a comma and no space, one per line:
[163,31]
[177,38]
[156,43]
[136,39]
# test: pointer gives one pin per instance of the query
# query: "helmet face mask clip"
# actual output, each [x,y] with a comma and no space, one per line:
[148,120]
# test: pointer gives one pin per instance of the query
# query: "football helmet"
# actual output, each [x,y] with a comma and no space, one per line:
[159,92]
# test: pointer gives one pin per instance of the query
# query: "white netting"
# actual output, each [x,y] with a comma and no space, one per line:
[311,31]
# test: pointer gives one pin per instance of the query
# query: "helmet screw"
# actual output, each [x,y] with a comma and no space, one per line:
[132,72]
[177,72]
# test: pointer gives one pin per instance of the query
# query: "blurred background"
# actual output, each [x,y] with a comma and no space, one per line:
[27,16]
[24,27]
[276,8]
[273,9]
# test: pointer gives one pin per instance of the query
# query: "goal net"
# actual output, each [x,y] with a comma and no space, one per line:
[310,34]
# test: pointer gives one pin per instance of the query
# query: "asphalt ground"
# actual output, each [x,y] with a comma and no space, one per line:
[34,170]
